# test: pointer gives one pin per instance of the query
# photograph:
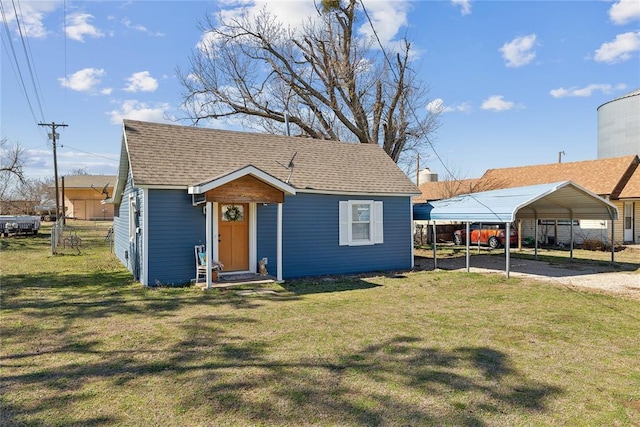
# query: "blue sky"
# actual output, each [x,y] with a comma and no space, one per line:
[518,81]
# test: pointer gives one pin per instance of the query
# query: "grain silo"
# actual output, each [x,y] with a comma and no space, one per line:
[619,126]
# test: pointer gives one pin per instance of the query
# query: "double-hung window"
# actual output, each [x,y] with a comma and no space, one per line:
[360,222]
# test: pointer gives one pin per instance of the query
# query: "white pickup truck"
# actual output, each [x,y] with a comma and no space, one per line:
[19,224]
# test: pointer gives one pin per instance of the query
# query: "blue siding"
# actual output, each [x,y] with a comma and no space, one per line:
[311,237]
[128,252]
[175,227]
[267,235]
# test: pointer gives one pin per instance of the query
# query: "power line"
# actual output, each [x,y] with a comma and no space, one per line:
[17,70]
[27,56]
[37,87]
[86,152]
[413,112]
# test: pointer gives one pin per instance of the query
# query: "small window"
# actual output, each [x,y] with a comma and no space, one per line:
[360,223]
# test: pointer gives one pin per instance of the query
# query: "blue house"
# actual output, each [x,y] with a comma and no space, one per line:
[305,207]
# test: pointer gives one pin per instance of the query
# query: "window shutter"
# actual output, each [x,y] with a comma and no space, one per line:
[378,226]
[344,223]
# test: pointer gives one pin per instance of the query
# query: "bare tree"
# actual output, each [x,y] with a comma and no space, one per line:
[321,80]
[12,158]
[78,172]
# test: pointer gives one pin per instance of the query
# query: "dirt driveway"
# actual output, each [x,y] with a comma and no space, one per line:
[598,276]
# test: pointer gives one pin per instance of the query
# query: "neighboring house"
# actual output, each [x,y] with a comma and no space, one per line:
[606,177]
[84,194]
[306,207]
[614,179]
[438,190]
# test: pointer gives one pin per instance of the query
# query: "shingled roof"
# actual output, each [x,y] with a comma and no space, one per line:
[605,177]
[632,189]
[438,190]
[162,155]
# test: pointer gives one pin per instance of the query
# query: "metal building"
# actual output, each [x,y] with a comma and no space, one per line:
[619,126]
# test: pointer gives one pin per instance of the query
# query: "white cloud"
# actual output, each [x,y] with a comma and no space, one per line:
[620,49]
[84,80]
[519,51]
[137,27]
[465,6]
[136,110]
[289,13]
[141,82]
[497,103]
[78,27]
[584,91]
[437,106]
[388,17]
[31,17]
[624,11]
[39,163]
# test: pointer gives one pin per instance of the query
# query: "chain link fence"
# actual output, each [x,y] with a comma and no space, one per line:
[74,236]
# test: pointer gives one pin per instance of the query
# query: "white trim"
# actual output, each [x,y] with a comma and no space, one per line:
[215,231]
[132,220]
[251,170]
[279,243]
[411,230]
[253,237]
[355,193]
[377,223]
[163,187]
[144,274]
[209,243]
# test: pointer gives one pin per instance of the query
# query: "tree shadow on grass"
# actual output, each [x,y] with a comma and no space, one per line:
[222,377]
[327,284]
[396,382]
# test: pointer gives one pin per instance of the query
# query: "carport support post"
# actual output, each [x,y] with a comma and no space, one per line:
[535,250]
[435,261]
[468,239]
[571,234]
[507,247]
[613,243]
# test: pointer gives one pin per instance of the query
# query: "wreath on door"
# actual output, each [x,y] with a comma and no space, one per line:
[232,213]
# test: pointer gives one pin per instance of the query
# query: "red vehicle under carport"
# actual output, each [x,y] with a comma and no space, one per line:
[492,235]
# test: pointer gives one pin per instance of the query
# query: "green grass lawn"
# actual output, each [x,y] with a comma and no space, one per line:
[82,345]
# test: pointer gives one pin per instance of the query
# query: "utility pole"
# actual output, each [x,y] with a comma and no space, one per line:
[52,136]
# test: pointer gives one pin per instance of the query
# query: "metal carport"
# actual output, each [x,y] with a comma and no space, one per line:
[558,200]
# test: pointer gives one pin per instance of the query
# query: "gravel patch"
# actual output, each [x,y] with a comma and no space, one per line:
[596,277]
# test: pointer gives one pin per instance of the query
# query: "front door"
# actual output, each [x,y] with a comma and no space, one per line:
[233,237]
[628,222]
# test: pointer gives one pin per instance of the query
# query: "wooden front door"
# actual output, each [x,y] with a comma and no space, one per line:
[233,237]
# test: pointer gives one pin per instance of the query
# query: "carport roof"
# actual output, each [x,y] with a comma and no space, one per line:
[558,200]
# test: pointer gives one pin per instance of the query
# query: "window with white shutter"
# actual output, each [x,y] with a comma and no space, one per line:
[360,223]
